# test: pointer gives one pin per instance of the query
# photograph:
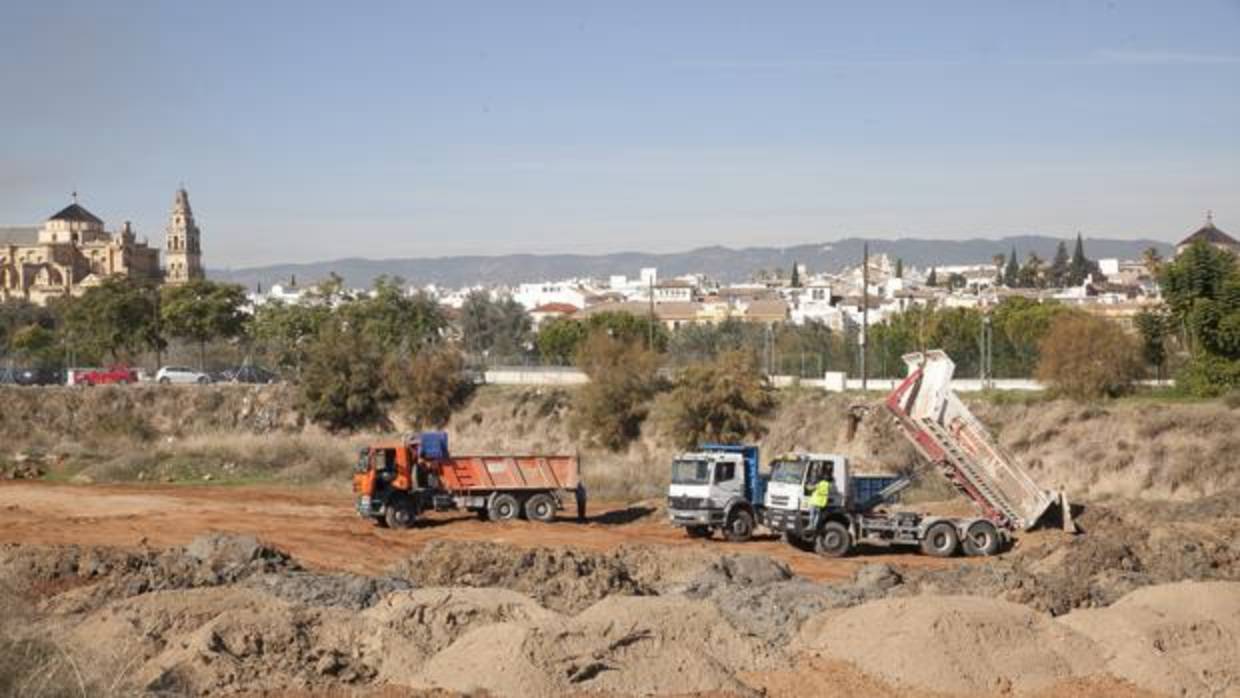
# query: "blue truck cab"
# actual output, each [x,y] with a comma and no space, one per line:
[718,486]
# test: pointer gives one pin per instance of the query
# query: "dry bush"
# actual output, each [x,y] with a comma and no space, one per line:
[431,386]
[724,401]
[624,377]
[1086,357]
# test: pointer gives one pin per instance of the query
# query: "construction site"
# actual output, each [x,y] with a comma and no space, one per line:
[167,542]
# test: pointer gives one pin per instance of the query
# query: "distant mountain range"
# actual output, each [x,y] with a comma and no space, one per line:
[721,263]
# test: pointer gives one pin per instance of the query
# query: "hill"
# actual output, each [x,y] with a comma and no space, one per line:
[721,263]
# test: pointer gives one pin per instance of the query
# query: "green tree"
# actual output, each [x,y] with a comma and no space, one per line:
[495,327]
[1080,267]
[957,281]
[933,279]
[430,385]
[1155,327]
[1087,357]
[284,332]
[397,321]
[1057,275]
[630,327]
[610,409]
[795,282]
[899,268]
[724,401]
[202,311]
[18,314]
[118,318]
[37,345]
[1011,272]
[559,339]
[343,382]
[1030,275]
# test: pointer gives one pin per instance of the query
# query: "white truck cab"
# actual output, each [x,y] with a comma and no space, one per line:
[717,487]
[793,477]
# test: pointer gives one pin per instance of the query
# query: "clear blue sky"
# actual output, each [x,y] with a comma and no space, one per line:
[309,131]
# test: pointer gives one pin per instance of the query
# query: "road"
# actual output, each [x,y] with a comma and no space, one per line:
[320,529]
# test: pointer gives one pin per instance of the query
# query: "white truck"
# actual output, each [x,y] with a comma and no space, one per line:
[946,434]
[717,487]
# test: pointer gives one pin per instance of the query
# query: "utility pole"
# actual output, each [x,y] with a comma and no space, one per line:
[865,309]
[650,323]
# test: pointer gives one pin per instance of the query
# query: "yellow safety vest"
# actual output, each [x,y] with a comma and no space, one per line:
[822,491]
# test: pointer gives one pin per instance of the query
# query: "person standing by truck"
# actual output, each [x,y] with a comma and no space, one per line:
[818,499]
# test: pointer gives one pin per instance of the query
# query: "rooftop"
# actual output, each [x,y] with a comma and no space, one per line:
[74,212]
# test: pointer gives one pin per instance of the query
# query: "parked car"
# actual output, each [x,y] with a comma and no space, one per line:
[250,374]
[39,376]
[177,374]
[116,375]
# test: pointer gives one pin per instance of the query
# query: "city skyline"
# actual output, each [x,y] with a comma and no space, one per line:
[308,134]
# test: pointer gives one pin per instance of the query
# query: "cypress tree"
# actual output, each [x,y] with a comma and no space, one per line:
[1079,267]
[1011,273]
[899,268]
[1058,274]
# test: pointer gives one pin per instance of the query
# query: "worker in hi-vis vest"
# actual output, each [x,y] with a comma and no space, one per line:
[818,501]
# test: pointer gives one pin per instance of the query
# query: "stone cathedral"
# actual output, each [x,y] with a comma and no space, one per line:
[73,251]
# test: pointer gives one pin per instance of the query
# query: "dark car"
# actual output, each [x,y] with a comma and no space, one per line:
[31,376]
[250,374]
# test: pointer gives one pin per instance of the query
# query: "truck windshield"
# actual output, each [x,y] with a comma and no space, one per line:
[787,471]
[691,472]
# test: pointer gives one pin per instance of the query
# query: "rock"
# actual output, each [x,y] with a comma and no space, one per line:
[876,578]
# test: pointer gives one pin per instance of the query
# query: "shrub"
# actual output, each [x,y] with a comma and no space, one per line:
[1207,375]
[624,376]
[1086,357]
[342,383]
[430,386]
[722,401]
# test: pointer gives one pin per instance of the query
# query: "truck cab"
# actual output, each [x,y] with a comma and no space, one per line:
[793,477]
[716,487]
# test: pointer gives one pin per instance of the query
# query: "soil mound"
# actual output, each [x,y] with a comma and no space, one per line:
[1178,639]
[562,579]
[620,646]
[953,644]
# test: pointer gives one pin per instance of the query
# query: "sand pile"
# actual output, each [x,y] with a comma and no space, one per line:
[953,644]
[621,645]
[1179,639]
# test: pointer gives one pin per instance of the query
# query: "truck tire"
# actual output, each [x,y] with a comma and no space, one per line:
[834,540]
[941,540]
[400,513]
[540,507]
[504,507]
[699,531]
[981,539]
[739,527]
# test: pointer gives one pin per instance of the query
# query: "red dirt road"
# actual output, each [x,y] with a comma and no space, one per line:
[319,527]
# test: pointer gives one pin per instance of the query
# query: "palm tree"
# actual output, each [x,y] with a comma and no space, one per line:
[1152,260]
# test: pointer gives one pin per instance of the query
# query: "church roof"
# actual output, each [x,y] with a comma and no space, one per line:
[76,213]
[1210,235]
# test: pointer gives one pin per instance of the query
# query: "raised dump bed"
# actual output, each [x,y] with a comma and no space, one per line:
[947,434]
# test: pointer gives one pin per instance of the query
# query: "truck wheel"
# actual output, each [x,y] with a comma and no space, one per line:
[834,540]
[699,531]
[739,527]
[540,507]
[504,507]
[941,540]
[981,539]
[380,521]
[400,513]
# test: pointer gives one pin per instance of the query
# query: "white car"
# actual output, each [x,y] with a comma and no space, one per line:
[176,374]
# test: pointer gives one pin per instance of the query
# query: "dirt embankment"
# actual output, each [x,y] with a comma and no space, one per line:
[173,433]
[228,615]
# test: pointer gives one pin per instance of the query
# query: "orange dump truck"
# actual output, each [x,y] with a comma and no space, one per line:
[396,481]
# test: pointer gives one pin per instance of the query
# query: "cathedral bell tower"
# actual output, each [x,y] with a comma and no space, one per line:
[183,254]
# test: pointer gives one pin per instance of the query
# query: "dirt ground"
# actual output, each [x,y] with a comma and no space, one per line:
[319,527]
[223,590]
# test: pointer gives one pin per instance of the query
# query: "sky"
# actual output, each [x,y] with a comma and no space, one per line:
[308,131]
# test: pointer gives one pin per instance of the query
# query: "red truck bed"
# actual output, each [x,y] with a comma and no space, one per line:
[467,473]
